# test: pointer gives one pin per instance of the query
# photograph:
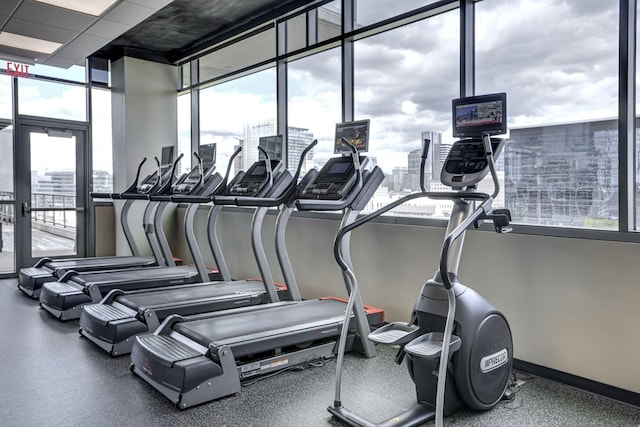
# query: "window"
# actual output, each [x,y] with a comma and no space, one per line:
[6,106]
[50,99]
[75,73]
[7,195]
[102,143]
[320,24]
[371,11]
[244,53]
[561,162]
[314,99]
[237,113]
[184,131]
[405,90]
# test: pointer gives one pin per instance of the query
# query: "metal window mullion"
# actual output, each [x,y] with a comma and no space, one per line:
[282,120]
[195,107]
[467,48]
[626,119]
[312,27]
[348,104]
[89,223]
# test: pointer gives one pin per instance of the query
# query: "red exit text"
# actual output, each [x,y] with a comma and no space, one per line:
[17,70]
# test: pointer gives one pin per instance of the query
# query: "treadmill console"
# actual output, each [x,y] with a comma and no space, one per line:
[152,180]
[334,180]
[255,179]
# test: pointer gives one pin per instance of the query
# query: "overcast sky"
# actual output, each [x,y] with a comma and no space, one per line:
[557,61]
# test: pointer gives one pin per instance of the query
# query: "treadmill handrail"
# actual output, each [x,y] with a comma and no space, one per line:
[130,189]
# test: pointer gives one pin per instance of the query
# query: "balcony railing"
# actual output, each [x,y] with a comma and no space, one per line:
[57,217]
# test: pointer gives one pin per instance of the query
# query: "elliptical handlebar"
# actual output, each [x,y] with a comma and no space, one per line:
[423,161]
[486,142]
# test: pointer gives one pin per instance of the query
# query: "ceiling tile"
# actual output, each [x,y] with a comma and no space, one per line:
[152,4]
[129,13]
[7,6]
[3,19]
[107,29]
[70,52]
[40,31]
[89,42]
[54,16]
[20,55]
[56,61]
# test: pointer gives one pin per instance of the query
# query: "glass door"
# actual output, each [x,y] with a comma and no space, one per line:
[52,192]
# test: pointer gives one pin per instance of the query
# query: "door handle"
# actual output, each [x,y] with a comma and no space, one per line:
[26,209]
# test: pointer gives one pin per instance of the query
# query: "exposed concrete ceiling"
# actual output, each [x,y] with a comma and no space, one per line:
[159,30]
[187,26]
[78,34]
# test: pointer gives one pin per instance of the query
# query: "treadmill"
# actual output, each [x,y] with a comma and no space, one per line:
[112,323]
[195,359]
[65,297]
[30,279]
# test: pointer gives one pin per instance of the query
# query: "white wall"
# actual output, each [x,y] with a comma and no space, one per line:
[572,304]
[144,112]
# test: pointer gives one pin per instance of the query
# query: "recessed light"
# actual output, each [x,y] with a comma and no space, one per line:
[90,7]
[28,43]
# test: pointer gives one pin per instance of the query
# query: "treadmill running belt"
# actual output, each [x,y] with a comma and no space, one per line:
[264,322]
[132,275]
[185,293]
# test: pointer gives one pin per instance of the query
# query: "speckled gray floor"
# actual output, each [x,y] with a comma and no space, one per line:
[50,376]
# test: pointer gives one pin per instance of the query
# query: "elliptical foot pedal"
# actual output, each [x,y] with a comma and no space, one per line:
[429,346]
[396,333]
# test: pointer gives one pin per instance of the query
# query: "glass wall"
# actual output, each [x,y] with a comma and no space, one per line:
[406,91]
[239,55]
[400,67]
[314,99]
[238,113]
[51,99]
[102,142]
[7,195]
[561,162]
[184,131]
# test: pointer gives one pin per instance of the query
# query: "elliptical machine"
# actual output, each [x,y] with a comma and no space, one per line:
[450,322]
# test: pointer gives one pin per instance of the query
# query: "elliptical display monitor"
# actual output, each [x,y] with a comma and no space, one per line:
[477,115]
[474,118]
[356,132]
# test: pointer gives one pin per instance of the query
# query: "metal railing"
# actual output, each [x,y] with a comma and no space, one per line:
[57,217]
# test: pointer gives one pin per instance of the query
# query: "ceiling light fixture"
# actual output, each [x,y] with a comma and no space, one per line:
[28,43]
[90,7]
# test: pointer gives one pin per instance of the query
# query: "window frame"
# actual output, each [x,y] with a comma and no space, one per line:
[626,232]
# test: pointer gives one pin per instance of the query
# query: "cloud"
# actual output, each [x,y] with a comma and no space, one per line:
[557,61]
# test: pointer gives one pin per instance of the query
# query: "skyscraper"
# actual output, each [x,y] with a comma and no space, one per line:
[298,140]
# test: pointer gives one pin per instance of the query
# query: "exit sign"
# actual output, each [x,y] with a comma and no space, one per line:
[17,70]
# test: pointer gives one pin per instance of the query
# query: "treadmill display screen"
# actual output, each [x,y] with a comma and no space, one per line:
[259,170]
[340,168]
[478,115]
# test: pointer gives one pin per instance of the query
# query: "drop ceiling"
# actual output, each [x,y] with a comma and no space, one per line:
[160,30]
